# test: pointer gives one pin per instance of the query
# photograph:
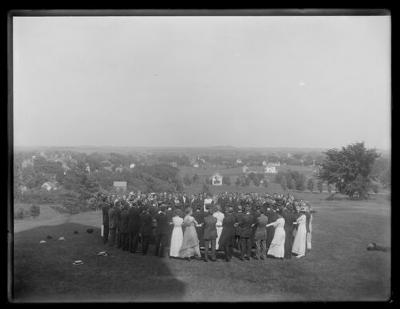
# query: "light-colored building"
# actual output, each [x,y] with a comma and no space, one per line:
[120,186]
[270,170]
[48,185]
[216,179]
[245,169]
[132,165]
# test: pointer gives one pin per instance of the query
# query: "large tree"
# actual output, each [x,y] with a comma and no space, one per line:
[349,169]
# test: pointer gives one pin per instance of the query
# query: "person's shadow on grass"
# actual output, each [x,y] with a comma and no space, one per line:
[45,271]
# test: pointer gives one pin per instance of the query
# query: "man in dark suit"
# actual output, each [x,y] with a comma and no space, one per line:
[133,227]
[162,230]
[118,223]
[246,230]
[238,216]
[210,235]
[272,217]
[105,207]
[198,215]
[113,224]
[170,213]
[227,239]
[290,218]
[124,227]
[146,229]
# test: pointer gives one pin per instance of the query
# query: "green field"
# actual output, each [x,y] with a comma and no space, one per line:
[338,268]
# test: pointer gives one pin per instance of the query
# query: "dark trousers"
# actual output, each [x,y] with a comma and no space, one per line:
[237,242]
[288,244]
[106,232]
[118,235]
[124,241]
[112,237]
[145,243]
[161,242]
[270,236]
[245,247]
[228,248]
[207,243]
[133,242]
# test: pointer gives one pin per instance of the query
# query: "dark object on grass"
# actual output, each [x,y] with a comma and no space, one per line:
[374,247]
[49,237]
[76,232]
[90,231]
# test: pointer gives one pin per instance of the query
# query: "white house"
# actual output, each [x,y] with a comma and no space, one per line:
[216,180]
[270,170]
[196,165]
[132,165]
[238,161]
[48,185]
[120,186]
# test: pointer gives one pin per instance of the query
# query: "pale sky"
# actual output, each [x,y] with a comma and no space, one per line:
[257,81]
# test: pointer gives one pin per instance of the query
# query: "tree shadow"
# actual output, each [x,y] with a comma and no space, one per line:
[44,272]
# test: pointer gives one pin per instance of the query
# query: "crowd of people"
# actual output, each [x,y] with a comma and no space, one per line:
[276,226]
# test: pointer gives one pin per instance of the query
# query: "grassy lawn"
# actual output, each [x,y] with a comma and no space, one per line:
[338,268]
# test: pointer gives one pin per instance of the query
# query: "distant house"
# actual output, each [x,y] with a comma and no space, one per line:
[132,165]
[239,161]
[270,170]
[23,189]
[245,169]
[26,163]
[196,165]
[49,185]
[216,179]
[120,186]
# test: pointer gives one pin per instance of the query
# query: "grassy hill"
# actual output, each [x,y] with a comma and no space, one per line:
[337,268]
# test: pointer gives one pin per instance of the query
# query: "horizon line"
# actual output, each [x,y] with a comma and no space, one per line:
[193,147]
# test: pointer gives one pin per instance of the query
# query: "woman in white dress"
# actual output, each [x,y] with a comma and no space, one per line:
[299,244]
[277,246]
[220,218]
[190,243]
[177,234]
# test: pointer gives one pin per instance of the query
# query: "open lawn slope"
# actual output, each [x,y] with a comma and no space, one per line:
[338,268]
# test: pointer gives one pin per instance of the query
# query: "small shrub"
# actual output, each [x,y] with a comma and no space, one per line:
[19,214]
[35,211]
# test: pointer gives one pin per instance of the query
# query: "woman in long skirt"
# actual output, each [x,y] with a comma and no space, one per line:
[177,234]
[277,247]
[190,244]
[299,244]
